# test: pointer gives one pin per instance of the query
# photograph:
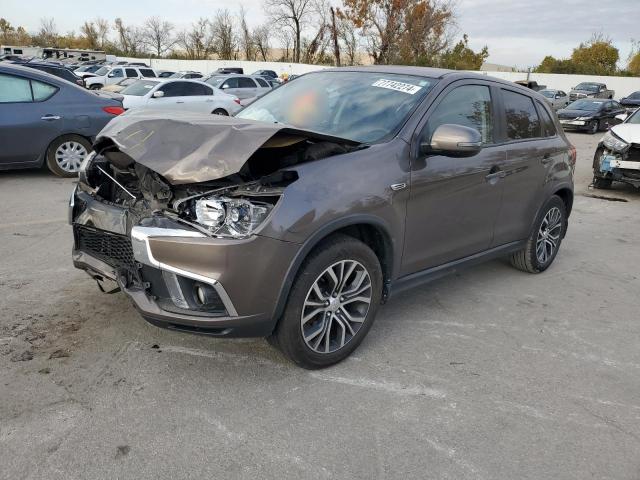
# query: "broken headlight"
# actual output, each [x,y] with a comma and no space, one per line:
[614,143]
[231,217]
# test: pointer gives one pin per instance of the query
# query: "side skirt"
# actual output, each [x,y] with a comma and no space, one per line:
[424,276]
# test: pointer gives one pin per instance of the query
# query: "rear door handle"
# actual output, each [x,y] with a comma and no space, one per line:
[50,117]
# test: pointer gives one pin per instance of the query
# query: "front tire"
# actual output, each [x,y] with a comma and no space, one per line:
[66,154]
[332,304]
[544,242]
[594,126]
[601,183]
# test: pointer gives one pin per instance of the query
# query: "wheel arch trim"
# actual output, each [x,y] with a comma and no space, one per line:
[325,231]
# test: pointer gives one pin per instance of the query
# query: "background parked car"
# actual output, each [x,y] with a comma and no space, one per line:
[267,74]
[186,74]
[87,70]
[590,90]
[617,156]
[183,95]
[228,70]
[632,101]
[557,98]
[591,115]
[164,73]
[121,85]
[109,75]
[57,70]
[242,86]
[46,119]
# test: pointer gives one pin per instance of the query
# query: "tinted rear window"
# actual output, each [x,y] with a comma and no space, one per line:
[521,116]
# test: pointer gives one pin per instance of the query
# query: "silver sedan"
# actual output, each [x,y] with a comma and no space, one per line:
[557,98]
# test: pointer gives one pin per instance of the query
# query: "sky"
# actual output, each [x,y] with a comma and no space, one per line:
[518,32]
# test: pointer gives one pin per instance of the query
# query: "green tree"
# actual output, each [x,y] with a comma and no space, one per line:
[461,57]
[596,57]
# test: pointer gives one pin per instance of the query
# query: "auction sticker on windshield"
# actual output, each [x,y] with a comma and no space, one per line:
[397,86]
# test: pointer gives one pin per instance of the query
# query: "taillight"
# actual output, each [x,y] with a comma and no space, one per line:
[237,100]
[114,110]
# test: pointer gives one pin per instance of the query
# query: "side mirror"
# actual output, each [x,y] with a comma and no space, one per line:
[158,94]
[454,141]
[558,95]
[111,75]
[224,87]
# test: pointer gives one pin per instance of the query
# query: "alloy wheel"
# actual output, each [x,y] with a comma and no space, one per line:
[336,306]
[70,155]
[549,235]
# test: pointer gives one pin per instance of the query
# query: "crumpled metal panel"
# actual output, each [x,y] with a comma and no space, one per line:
[190,148]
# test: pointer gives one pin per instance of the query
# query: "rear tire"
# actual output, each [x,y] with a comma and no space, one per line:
[544,241]
[324,320]
[220,111]
[66,153]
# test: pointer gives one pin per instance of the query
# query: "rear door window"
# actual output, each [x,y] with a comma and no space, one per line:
[521,117]
[468,105]
[131,72]
[117,73]
[147,72]
[174,89]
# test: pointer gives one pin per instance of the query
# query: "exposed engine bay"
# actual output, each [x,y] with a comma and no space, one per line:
[618,156]
[233,206]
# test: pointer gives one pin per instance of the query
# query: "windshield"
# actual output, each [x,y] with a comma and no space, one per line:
[589,87]
[634,118]
[215,81]
[83,69]
[140,88]
[548,93]
[102,71]
[584,105]
[176,75]
[361,106]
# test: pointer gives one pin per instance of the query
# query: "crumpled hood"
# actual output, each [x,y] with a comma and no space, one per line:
[191,148]
[629,132]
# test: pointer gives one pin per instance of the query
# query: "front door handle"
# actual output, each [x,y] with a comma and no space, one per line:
[50,117]
[495,173]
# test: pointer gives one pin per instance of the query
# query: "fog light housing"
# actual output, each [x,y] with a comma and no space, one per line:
[205,295]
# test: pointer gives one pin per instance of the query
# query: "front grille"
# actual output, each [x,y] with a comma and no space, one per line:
[633,155]
[111,248]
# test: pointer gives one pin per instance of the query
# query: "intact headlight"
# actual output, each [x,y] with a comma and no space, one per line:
[231,217]
[614,143]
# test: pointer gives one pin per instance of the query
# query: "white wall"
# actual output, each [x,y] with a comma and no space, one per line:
[622,86]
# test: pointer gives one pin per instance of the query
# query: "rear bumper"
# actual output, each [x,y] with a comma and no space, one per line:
[168,264]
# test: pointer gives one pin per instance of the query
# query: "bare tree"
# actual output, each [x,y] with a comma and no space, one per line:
[261,38]
[224,37]
[350,40]
[197,42]
[48,33]
[334,37]
[90,33]
[157,35]
[102,29]
[292,15]
[129,38]
[247,41]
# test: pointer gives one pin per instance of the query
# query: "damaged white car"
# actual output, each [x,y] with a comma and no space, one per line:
[617,157]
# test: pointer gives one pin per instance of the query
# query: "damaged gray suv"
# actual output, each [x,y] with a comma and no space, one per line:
[297,218]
